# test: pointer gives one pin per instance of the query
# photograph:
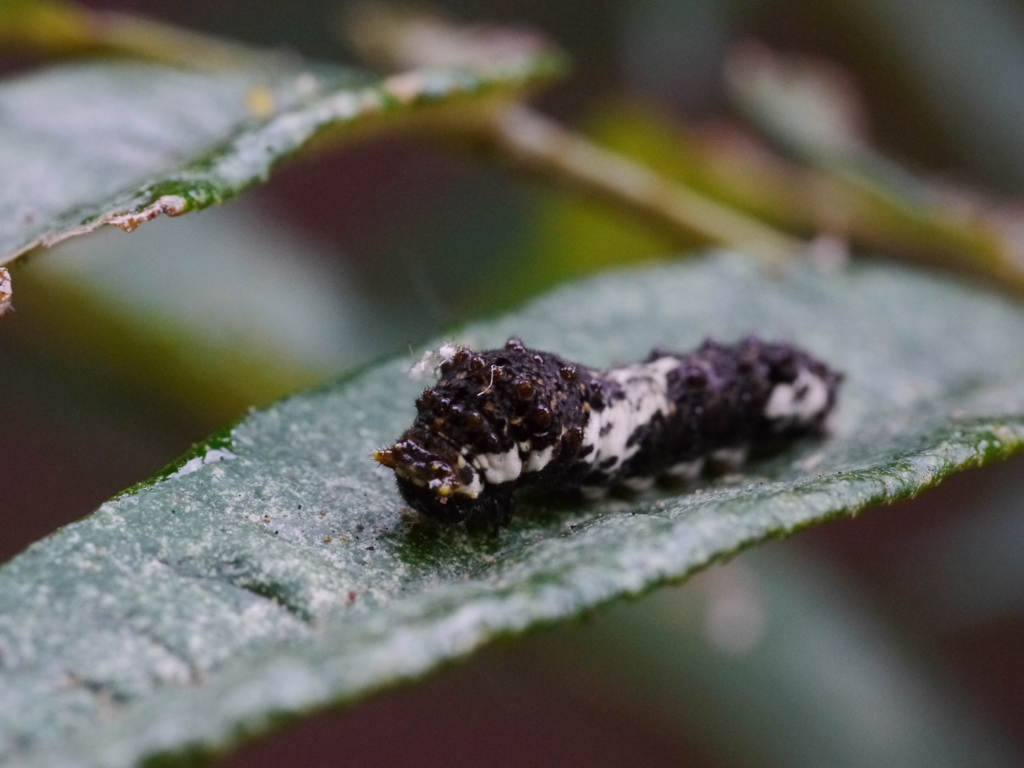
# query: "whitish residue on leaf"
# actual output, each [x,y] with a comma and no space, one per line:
[168,205]
[128,220]
[198,462]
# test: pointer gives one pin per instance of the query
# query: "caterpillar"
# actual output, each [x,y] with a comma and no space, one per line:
[505,419]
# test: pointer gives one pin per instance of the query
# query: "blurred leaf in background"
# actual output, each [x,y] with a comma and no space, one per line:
[216,313]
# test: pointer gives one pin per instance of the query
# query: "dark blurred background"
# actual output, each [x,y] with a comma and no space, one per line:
[914,615]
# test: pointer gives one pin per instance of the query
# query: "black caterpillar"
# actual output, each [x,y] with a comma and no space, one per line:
[505,419]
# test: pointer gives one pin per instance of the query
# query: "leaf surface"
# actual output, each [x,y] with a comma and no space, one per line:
[272,572]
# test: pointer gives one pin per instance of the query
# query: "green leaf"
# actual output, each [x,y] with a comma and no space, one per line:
[273,573]
[93,144]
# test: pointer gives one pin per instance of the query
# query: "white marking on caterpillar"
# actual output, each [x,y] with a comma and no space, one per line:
[539,459]
[474,489]
[645,394]
[730,458]
[638,484]
[804,399]
[500,468]
[686,470]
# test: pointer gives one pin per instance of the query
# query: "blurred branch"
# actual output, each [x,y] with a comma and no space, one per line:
[400,38]
[64,28]
[840,186]
[550,150]
[813,111]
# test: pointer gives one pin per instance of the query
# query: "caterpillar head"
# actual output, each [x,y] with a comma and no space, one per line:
[429,469]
